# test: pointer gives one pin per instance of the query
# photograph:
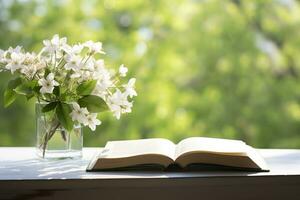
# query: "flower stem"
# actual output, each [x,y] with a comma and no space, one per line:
[49,135]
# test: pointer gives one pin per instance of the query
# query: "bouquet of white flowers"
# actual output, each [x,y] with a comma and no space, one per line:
[70,82]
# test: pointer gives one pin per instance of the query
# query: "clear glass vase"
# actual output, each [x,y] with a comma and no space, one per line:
[53,141]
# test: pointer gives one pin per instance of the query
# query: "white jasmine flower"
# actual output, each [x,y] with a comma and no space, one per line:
[40,65]
[73,62]
[89,65]
[117,110]
[119,104]
[114,103]
[2,56]
[106,79]
[47,84]
[2,59]
[99,65]
[55,44]
[17,49]
[92,121]
[15,62]
[30,58]
[30,65]
[82,75]
[76,74]
[100,91]
[99,68]
[79,114]
[77,48]
[29,71]
[73,50]
[94,47]
[103,76]
[123,70]
[103,84]
[129,88]
[1,53]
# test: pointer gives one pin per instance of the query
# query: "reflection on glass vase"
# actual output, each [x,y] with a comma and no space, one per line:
[53,141]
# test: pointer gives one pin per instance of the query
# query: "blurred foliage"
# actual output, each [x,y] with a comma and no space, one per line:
[204,68]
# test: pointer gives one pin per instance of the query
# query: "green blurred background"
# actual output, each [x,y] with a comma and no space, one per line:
[204,68]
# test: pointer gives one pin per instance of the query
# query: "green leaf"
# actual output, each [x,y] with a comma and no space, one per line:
[36,89]
[33,83]
[86,88]
[93,103]
[24,89]
[49,107]
[56,91]
[10,94]
[12,84]
[27,88]
[29,96]
[47,71]
[63,111]
[9,97]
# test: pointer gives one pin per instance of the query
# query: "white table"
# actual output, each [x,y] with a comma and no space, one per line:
[24,176]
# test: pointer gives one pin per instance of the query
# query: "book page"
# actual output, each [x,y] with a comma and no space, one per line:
[210,145]
[130,148]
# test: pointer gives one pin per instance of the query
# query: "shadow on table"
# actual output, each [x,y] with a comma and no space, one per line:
[38,168]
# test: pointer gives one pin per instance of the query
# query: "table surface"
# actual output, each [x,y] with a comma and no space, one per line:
[21,163]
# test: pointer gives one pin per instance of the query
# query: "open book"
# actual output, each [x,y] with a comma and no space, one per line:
[188,153]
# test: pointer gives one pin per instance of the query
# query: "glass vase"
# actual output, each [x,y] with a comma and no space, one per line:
[53,141]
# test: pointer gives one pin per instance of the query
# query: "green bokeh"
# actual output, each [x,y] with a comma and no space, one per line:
[204,68]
